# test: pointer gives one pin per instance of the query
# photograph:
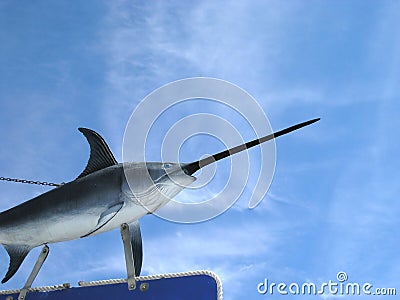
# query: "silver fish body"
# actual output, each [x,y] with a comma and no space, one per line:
[72,210]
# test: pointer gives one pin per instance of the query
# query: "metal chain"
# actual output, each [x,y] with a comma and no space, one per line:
[29,181]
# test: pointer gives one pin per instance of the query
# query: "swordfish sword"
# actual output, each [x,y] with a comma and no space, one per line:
[104,196]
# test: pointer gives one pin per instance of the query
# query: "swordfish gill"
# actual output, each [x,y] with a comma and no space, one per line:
[100,199]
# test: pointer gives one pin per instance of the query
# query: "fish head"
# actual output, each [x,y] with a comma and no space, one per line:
[153,183]
[170,173]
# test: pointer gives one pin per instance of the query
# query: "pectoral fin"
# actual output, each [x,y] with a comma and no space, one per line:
[106,217]
[136,242]
[17,255]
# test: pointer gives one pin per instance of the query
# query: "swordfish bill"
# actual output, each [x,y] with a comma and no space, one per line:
[197,165]
[104,196]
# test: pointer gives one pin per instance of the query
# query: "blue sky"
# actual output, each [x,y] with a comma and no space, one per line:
[333,203]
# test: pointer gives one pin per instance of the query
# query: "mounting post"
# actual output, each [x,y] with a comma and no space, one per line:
[39,262]
[130,264]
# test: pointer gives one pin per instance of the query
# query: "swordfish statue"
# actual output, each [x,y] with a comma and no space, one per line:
[100,199]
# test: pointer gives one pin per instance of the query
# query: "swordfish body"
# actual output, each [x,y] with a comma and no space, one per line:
[101,199]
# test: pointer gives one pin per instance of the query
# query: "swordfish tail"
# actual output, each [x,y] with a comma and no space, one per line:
[17,255]
[197,165]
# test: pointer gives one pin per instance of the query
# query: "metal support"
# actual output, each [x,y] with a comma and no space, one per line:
[130,264]
[42,257]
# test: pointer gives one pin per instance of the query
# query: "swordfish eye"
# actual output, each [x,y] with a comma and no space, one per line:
[166,166]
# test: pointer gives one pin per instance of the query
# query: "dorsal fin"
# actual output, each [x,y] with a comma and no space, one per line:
[100,154]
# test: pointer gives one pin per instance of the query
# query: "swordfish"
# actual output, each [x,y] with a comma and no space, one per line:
[104,196]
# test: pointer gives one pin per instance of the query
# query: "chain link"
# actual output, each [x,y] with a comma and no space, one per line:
[29,181]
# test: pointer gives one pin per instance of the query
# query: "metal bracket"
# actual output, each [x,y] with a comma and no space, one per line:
[130,264]
[39,262]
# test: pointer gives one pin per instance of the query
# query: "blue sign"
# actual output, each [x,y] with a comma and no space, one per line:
[197,287]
